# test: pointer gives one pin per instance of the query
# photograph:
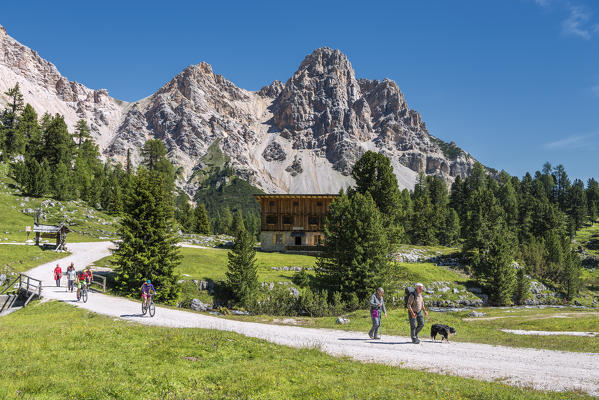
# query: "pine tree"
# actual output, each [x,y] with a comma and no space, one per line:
[493,265]
[129,165]
[374,174]
[14,142]
[237,222]
[148,245]
[451,234]
[423,229]
[522,289]
[30,130]
[38,180]
[62,185]
[571,274]
[577,204]
[154,159]
[224,221]
[58,144]
[242,274]
[184,213]
[201,220]
[82,132]
[355,258]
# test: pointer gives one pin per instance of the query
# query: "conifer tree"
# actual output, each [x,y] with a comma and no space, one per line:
[147,248]
[577,204]
[451,233]
[493,267]
[82,132]
[184,213]
[14,142]
[571,274]
[237,222]
[61,183]
[242,273]
[355,258]
[201,220]
[423,229]
[38,180]
[30,130]
[58,144]
[374,174]
[225,219]
[522,289]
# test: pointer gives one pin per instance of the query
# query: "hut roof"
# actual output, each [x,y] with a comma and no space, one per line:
[50,228]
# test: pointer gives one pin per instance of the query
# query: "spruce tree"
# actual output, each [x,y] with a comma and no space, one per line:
[14,142]
[451,233]
[62,185]
[225,221]
[147,248]
[522,289]
[58,144]
[374,174]
[237,222]
[201,220]
[356,254]
[571,274]
[184,213]
[82,132]
[38,182]
[29,128]
[493,265]
[242,273]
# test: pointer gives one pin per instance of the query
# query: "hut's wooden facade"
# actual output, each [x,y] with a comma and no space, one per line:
[58,232]
[293,222]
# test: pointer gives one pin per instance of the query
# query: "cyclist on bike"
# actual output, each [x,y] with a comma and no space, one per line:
[81,282]
[146,290]
[89,276]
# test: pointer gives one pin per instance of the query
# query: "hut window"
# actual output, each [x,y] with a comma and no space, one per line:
[319,204]
[313,220]
[271,219]
[287,220]
[279,238]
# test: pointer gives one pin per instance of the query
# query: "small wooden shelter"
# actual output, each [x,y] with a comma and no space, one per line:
[58,232]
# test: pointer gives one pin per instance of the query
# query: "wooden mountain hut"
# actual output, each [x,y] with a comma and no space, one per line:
[293,222]
[58,232]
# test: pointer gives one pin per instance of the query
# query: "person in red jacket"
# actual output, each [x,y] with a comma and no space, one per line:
[57,275]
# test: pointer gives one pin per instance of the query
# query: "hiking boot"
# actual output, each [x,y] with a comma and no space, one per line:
[377,338]
[416,341]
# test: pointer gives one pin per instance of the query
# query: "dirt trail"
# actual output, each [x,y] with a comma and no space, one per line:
[541,369]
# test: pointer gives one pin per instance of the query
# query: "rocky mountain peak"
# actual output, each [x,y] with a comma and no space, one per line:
[2,31]
[302,136]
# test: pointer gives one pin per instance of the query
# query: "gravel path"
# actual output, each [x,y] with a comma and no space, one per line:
[541,369]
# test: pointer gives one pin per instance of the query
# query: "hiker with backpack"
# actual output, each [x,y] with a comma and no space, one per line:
[415,305]
[377,305]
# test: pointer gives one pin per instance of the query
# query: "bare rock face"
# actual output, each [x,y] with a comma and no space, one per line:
[48,91]
[322,118]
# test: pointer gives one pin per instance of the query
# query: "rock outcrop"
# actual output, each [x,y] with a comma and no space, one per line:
[48,91]
[300,136]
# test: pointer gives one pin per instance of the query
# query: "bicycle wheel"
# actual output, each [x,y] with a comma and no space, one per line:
[144,308]
[152,309]
[84,295]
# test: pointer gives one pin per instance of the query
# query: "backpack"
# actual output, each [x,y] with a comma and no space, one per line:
[409,291]
[81,276]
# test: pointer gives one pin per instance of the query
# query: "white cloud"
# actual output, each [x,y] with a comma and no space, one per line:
[577,22]
[572,142]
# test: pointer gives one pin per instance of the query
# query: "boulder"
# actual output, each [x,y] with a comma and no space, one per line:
[294,292]
[197,305]
[476,314]
[342,321]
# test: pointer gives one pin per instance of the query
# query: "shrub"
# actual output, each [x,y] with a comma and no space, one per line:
[301,278]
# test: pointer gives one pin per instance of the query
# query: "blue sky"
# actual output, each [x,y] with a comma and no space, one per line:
[514,82]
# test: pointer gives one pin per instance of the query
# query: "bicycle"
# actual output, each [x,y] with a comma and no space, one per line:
[148,306]
[83,294]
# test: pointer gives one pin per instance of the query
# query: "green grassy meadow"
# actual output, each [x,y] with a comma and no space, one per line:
[22,258]
[86,224]
[56,351]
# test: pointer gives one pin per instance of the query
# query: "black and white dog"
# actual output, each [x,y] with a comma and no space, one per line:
[443,330]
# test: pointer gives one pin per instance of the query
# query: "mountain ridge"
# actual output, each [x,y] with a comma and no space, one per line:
[301,136]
